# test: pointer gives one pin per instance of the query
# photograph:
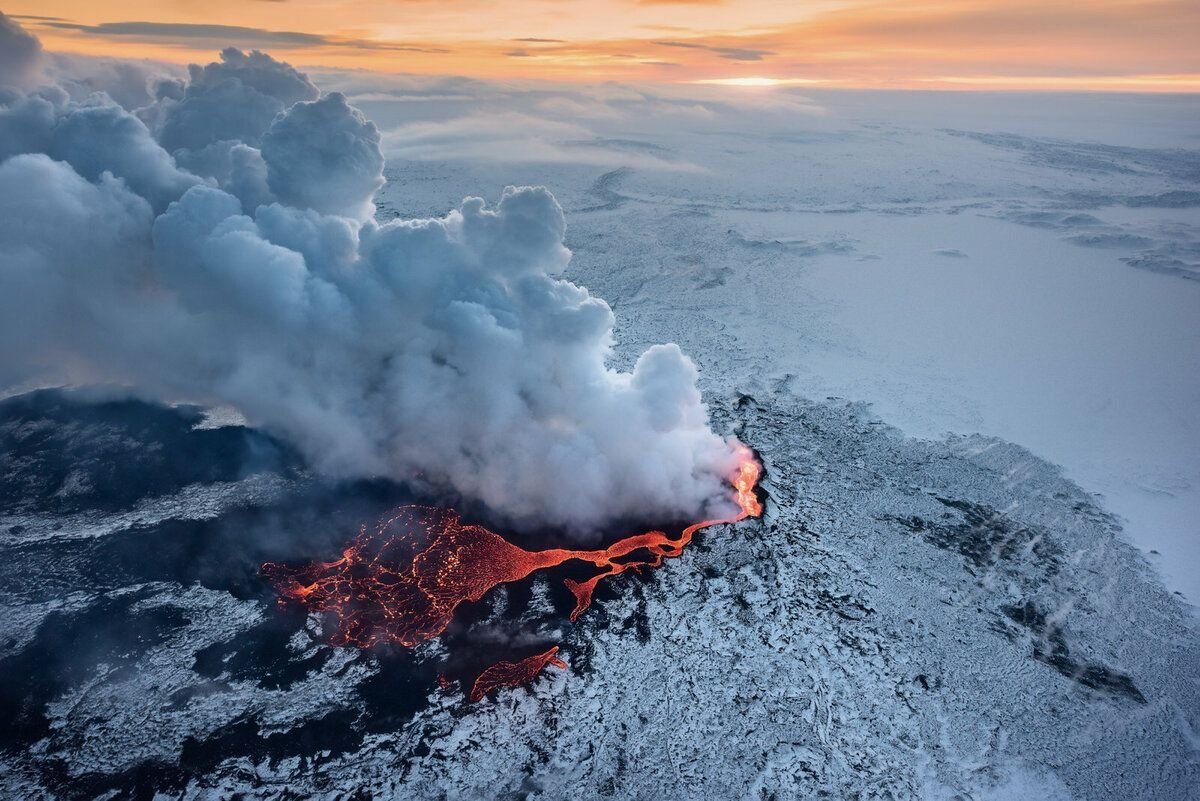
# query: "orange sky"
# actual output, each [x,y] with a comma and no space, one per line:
[1147,45]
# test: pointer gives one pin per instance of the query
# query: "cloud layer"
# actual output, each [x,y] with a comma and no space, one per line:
[20,53]
[218,245]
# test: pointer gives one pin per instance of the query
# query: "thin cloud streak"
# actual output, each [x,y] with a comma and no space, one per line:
[230,34]
[731,53]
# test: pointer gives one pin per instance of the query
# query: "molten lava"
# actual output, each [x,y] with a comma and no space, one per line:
[403,581]
[514,674]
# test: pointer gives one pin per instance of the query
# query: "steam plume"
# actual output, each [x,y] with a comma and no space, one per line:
[218,245]
[20,54]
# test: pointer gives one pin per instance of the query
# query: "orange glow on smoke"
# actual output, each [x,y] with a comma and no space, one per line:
[403,581]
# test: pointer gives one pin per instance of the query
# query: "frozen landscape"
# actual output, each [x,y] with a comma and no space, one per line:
[958,329]
[959,261]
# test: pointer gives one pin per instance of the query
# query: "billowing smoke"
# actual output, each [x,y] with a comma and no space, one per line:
[20,55]
[218,246]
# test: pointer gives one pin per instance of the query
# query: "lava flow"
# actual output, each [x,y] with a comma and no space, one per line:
[403,581]
[514,674]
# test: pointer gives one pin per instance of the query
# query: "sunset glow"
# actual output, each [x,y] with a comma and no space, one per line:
[756,81]
[1132,45]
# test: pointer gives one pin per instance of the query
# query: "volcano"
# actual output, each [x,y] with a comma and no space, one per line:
[402,581]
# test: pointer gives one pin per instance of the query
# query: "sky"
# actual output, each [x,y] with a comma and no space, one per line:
[1128,45]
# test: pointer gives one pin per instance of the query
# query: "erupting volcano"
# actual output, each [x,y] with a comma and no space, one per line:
[402,581]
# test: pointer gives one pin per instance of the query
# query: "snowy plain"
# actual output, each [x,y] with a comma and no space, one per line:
[958,328]
[1018,265]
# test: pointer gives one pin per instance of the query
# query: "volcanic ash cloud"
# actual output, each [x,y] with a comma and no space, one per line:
[219,246]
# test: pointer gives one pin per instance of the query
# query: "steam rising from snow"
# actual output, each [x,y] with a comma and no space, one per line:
[218,245]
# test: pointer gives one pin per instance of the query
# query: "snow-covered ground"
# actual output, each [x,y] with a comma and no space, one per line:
[948,323]
[1023,266]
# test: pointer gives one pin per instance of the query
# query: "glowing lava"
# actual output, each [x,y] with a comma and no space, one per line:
[403,581]
[514,674]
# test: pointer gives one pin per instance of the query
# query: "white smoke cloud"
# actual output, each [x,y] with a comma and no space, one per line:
[26,121]
[236,98]
[446,348]
[325,156]
[99,139]
[132,85]
[68,248]
[20,54]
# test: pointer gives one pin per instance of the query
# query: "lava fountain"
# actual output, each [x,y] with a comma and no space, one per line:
[402,581]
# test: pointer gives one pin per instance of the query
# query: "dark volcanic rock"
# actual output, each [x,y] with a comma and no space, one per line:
[63,451]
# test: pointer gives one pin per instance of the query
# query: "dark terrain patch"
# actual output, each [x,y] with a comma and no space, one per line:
[1050,646]
[314,741]
[220,554]
[985,537]
[261,654]
[604,189]
[64,451]
[67,649]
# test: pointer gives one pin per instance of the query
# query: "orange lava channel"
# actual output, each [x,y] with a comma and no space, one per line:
[403,581]
[514,674]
